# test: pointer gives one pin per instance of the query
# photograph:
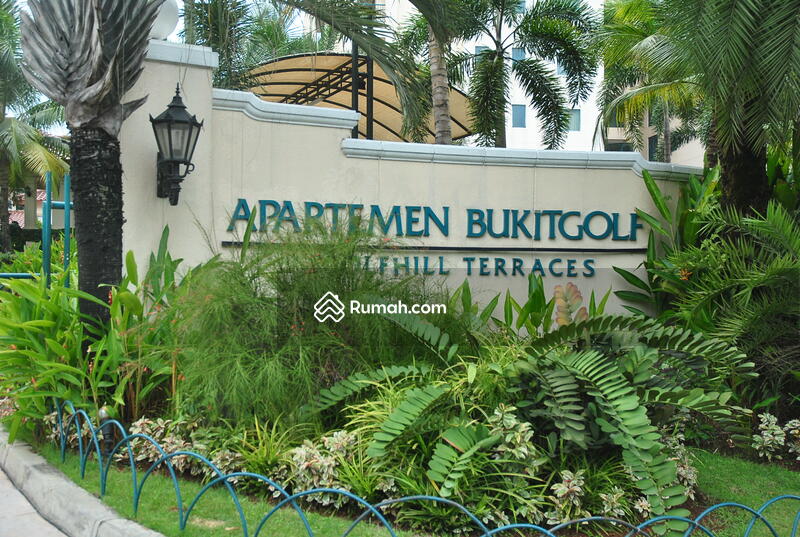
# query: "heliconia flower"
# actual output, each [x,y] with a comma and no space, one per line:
[110,297]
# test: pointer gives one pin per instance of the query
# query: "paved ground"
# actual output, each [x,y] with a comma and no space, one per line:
[18,518]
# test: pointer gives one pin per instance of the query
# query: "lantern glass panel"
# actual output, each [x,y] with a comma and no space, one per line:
[180,140]
[162,138]
[194,133]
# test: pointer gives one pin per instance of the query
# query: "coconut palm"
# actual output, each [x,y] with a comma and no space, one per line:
[25,150]
[630,90]
[741,58]
[85,55]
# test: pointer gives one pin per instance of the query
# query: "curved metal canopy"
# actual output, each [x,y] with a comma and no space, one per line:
[324,79]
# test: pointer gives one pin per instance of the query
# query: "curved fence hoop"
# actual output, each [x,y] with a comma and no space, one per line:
[632,527]
[409,499]
[83,456]
[694,525]
[259,477]
[339,492]
[763,508]
[107,466]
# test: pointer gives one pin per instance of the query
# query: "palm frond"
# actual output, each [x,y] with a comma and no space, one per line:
[546,96]
[559,40]
[488,91]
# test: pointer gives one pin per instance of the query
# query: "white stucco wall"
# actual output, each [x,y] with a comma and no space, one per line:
[255,150]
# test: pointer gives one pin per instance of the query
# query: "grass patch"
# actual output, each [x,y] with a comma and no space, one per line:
[721,479]
[215,514]
[728,479]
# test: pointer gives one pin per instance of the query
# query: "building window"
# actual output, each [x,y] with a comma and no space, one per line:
[517,53]
[651,112]
[613,121]
[621,146]
[479,49]
[574,120]
[560,69]
[520,8]
[518,115]
[652,148]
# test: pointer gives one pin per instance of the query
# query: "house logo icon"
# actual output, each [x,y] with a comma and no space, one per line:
[329,307]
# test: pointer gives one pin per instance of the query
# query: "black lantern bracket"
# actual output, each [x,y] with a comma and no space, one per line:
[176,134]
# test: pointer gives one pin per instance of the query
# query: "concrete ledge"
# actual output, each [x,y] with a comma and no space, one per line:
[260,110]
[490,156]
[164,51]
[64,504]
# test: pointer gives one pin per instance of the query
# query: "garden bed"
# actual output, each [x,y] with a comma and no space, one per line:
[721,479]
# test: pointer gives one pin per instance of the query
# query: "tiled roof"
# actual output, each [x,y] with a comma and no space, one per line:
[40,195]
[17,216]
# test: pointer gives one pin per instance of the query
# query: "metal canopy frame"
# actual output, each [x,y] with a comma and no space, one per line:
[337,80]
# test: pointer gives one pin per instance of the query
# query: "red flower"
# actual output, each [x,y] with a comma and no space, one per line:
[110,297]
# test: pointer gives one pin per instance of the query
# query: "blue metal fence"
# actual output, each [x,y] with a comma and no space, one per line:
[80,419]
[47,231]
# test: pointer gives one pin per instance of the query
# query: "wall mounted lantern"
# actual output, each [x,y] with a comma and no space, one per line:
[176,135]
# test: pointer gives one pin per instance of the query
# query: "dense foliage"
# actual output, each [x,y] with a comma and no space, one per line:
[542,410]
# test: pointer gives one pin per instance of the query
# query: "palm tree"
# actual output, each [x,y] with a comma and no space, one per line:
[740,59]
[419,40]
[245,35]
[25,149]
[223,25]
[85,55]
[628,28]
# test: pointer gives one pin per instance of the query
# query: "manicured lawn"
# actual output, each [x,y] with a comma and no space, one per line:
[721,478]
[215,514]
[726,479]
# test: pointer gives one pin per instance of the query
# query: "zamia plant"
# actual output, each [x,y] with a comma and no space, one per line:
[358,382]
[415,402]
[453,455]
[596,379]
[429,334]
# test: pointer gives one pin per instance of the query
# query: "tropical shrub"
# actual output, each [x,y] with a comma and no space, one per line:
[49,352]
[774,441]
[742,285]
[250,344]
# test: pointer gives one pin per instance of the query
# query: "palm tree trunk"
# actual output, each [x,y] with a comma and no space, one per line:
[667,136]
[712,146]
[190,35]
[97,193]
[744,179]
[500,138]
[5,228]
[440,91]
